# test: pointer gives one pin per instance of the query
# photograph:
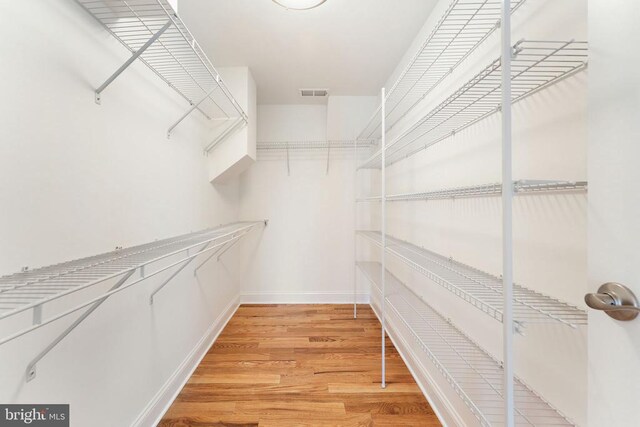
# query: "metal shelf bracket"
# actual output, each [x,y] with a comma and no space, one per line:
[30,290]
[31,367]
[175,273]
[189,111]
[130,61]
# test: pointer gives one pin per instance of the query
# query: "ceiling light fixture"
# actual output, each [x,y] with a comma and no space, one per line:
[299,4]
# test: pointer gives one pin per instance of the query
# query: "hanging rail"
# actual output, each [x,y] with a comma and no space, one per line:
[535,66]
[462,28]
[480,289]
[474,374]
[152,31]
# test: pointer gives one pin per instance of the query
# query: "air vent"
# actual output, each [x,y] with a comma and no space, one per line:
[314,92]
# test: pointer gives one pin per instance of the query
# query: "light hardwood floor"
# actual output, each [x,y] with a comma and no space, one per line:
[300,365]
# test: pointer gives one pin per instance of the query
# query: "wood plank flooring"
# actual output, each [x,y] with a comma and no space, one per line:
[300,365]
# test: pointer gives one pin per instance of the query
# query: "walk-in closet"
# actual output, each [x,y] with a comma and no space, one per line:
[280,213]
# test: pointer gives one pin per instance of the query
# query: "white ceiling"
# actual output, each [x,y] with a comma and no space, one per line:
[347,46]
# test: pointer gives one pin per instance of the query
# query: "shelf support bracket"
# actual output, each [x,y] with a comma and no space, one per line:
[175,273]
[206,260]
[229,246]
[129,61]
[189,111]
[31,367]
[288,166]
[37,315]
[328,156]
[222,249]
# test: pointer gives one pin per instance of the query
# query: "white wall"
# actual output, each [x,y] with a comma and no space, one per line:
[549,230]
[78,179]
[306,253]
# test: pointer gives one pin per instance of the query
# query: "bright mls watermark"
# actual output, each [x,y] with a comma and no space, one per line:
[34,415]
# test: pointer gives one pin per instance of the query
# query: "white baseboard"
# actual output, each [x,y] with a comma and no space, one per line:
[156,408]
[437,399]
[303,298]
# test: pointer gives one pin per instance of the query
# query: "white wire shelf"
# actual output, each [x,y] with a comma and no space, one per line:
[536,65]
[474,374]
[32,289]
[462,28]
[314,145]
[302,148]
[174,55]
[480,289]
[485,190]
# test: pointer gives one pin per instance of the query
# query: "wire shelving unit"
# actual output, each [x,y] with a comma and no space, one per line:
[152,31]
[485,190]
[462,28]
[535,66]
[31,290]
[489,388]
[276,149]
[475,375]
[480,289]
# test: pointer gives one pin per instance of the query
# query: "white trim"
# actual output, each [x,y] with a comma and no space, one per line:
[438,400]
[156,408]
[302,298]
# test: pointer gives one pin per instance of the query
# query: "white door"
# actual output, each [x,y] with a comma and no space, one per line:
[614,206]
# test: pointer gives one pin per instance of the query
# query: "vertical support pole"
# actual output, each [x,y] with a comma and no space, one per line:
[355,228]
[383,196]
[507,232]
